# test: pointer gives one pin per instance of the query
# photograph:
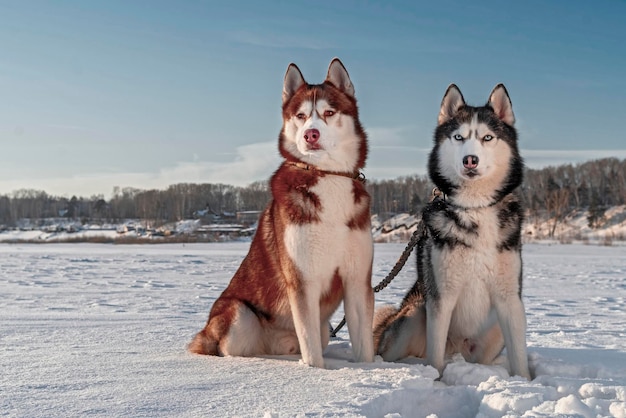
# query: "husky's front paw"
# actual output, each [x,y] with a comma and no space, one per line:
[313,363]
[364,357]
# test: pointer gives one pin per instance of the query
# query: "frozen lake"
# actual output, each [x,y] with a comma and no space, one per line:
[101,330]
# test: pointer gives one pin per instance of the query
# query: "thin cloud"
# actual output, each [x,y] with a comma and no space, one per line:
[251,163]
[545,158]
[379,136]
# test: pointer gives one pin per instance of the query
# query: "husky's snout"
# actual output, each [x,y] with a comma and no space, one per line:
[470,166]
[470,162]
[312,137]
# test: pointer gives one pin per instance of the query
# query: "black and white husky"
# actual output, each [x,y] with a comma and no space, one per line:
[467,297]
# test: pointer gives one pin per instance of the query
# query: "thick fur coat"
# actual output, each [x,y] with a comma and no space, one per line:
[467,297]
[313,247]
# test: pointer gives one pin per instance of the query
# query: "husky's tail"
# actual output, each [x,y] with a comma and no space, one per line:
[204,344]
[382,317]
[399,333]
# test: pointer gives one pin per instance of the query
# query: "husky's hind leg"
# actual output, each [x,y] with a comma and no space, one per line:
[233,329]
[484,348]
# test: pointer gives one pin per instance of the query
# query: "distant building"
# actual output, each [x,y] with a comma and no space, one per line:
[248,217]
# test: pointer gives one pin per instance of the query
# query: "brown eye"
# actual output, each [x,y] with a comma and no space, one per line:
[328,113]
[301,116]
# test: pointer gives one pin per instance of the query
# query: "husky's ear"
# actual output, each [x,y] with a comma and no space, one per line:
[501,103]
[451,103]
[293,81]
[339,77]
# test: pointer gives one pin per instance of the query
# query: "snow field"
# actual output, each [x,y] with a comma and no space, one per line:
[101,330]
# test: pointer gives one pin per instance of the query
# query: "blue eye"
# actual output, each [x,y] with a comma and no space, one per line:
[458,137]
[487,138]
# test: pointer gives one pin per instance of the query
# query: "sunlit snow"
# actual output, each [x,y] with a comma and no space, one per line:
[101,330]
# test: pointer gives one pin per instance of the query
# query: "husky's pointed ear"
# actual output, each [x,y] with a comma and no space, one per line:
[293,81]
[501,103]
[452,101]
[339,77]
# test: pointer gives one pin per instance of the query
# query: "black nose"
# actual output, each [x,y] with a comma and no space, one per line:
[470,161]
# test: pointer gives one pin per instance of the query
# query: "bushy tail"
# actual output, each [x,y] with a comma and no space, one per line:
[399,333]
[203,344]
[382,318]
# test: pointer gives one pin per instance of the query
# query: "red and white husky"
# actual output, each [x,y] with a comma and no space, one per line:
[313,246]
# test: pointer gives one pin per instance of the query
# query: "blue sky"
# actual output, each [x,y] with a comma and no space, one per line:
[146,94]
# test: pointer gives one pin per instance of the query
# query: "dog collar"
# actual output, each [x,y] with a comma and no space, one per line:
[355,175]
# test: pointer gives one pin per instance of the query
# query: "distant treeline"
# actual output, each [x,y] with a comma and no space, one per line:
[553,191]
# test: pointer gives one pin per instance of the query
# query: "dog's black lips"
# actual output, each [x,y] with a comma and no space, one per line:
[471,173]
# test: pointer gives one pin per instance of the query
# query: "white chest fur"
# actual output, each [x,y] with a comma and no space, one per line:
[319,249]
[474,274]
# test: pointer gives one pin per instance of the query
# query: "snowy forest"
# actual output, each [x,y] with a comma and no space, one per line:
[552,191]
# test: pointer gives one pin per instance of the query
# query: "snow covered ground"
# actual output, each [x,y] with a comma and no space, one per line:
[101,330]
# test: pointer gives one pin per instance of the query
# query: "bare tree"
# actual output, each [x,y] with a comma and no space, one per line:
[557,206]
[551,191]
